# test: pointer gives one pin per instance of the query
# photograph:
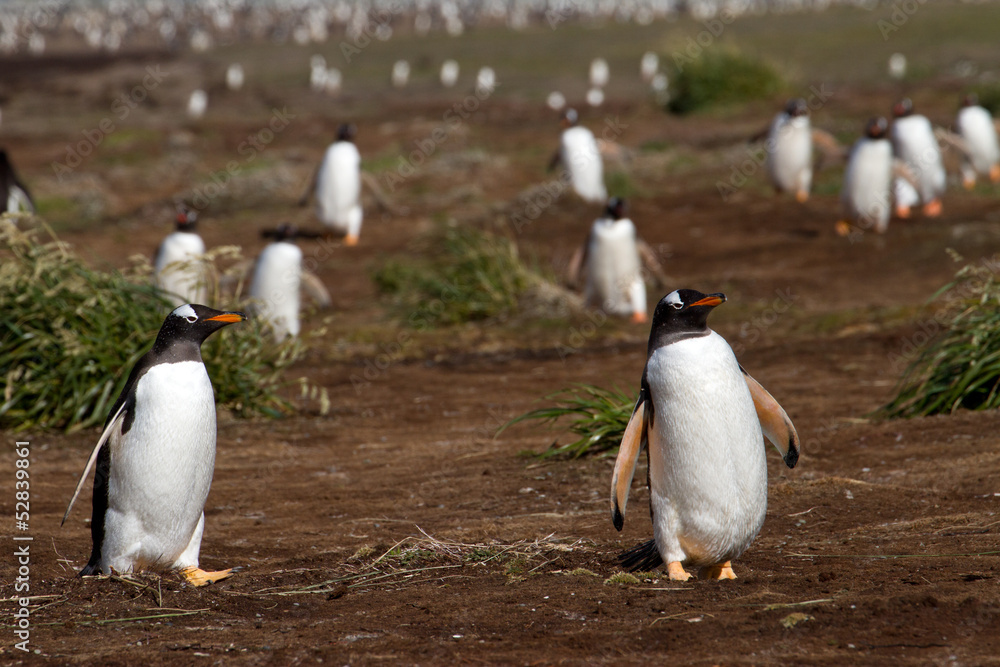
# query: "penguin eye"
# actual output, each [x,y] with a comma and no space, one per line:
[191,318]
[677,306]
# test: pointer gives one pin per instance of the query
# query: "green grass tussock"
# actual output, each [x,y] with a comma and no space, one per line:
[600,418]
[721,77]
[69,335]
[960,366]
[470,275]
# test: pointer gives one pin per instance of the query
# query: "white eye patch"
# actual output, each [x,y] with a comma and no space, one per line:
[187,312]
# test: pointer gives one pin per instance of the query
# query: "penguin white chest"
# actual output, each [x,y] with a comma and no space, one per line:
[338,188]
[177,270]
[276,287]
[789,159]
[914,142]
[613,275]
[161,468]
[976,126]
[708,475]
[582,159]
[867,179]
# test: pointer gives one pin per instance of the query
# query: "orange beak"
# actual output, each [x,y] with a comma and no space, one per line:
[710,300]
[228,318]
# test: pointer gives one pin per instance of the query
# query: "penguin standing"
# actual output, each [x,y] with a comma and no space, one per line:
[154,474]
[177,269]
[14,195]
[581,158]
[277,280]
[914,143]
[337,185]
[789,150]
[703,419]
[976,127]
[866,196]
[613,255]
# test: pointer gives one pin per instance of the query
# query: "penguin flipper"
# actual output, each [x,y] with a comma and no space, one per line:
[642,558]
[113,425]
[316,290]
[628,456]
[774,421]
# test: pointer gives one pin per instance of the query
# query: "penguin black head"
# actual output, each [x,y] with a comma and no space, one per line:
[682,314]
[796,107]
[286,231]
[615,208]
[347,132]
[970,100]
[902,108]
[876,128]
[187,219]
[570,118]
[191,324]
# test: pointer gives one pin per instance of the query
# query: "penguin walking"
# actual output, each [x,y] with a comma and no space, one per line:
[14,195]
[337,185]
[789,149]
[156,456]
[703,419]
[177,269]
[866,196]
[914,143]
[277,281]
[580,156]
[614,257]
[977,128]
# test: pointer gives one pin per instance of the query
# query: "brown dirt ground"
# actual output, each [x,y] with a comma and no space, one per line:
[879,548]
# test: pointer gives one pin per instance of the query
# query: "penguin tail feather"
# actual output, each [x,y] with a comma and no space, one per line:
[642,558]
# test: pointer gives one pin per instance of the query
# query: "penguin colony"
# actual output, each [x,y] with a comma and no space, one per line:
[701,417]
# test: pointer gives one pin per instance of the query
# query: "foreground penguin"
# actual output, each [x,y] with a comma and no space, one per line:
[337,185]
[703,420]
[14,196]
[914,143]
[177,269]
[277,281]
[580,156]
[154,473]
[613,255]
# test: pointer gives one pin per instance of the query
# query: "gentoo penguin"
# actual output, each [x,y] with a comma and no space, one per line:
[277,280]
[337,185]
[914,143]
[611,254]
[153,477]
[177,269]
[197,104]
[14,196]
[789,150]
[866,196]
[581,158]
[976,127]
[703,419]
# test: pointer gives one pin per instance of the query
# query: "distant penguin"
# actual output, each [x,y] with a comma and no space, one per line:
[486,80]
[581,158]
[337,186]
[556,101]
[977,128]
[14,195]
[156,456]
[277,282]
[177,269]
[703,420]
[614,275]
[449,73]
[789,150]
[866,195]
[197,104]
[649,66]
[600,73]
[400,74]
[234,77]
[914,143]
